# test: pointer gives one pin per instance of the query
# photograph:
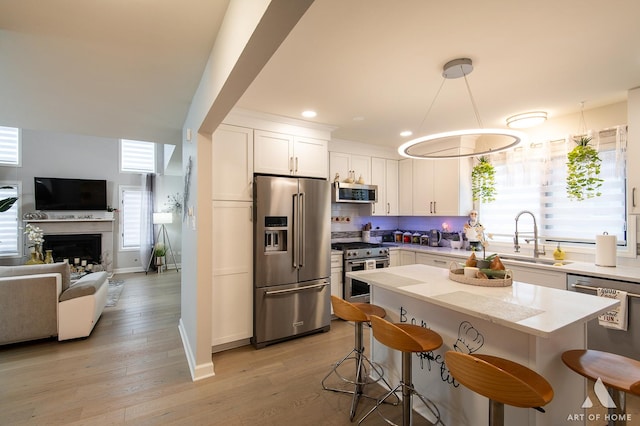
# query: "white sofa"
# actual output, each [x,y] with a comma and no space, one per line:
[39,301]
[81,305]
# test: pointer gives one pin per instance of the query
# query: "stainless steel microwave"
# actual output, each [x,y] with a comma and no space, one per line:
[354,193]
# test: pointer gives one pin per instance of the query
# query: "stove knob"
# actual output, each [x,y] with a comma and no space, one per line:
[368,252]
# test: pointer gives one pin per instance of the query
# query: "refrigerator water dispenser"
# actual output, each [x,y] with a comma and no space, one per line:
[275,234]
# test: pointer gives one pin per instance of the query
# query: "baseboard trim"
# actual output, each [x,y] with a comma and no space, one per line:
[198,372]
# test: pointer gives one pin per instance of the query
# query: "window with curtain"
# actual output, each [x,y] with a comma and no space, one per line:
[10,236]
[534,178]
[9,146]
[137,156]
[131,201]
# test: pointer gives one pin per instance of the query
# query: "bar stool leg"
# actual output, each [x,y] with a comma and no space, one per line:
[496,413]
[617,416]
[407,392]
[361,377]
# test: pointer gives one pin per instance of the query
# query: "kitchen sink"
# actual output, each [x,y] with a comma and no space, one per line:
[527,259]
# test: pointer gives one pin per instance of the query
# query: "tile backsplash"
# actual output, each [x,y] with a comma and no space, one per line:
[348,221]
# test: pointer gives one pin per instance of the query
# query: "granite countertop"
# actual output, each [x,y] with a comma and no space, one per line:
[624,273]
[532,309]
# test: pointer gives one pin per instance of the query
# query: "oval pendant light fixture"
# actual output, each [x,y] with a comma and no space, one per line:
[465,142]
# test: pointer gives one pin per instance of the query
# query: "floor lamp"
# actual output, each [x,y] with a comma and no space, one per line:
[162,219]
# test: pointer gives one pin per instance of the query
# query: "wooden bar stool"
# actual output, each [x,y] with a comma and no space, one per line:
[500,380]
[408,339]
[620,375]
[367,372]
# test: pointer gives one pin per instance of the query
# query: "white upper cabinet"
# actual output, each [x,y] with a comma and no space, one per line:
[439,187]
[232,163]
[277,153]
[405,187]
[342,163]
[384,174]
[633,151]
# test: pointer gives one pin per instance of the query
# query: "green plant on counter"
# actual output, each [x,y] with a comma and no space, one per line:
[483,181]
[583,169]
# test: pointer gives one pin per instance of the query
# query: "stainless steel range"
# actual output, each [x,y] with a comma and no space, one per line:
[358,256]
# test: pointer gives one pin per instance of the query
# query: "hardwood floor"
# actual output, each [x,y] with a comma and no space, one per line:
[132,370]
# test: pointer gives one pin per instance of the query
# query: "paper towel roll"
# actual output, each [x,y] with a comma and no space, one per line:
[606,250]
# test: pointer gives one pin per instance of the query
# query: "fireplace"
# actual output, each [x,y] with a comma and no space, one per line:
[71,246]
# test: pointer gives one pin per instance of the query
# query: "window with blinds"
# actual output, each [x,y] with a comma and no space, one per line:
[131,200]
[10,236]
[137,156]
[9,146]
[534,178]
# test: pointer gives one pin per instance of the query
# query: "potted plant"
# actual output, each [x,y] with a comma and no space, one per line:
[159,252]
[583,169]
[483,181]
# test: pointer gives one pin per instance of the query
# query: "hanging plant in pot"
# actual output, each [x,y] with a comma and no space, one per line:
[483,183]
[583,169]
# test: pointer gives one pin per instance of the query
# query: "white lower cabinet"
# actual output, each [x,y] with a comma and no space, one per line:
[336,276]
[437,260]
[407,257]
[537,276]
[232,281]
[394,257]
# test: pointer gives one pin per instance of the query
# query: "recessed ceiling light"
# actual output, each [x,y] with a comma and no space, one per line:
[527,119]
[309,114]
[406,133]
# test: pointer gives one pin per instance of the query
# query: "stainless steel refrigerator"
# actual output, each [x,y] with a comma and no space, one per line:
[292,258]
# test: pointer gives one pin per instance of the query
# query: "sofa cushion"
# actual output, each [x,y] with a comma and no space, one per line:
[45,268]
[85,286]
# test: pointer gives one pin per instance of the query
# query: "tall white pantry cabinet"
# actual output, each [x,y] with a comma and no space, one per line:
[237,152]
[232,239]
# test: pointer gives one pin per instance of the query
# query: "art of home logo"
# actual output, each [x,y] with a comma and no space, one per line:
[605,400]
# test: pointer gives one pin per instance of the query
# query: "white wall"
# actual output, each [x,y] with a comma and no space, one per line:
[63,155]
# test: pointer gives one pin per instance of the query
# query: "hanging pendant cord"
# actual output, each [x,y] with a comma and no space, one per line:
[473,102]
[431,106]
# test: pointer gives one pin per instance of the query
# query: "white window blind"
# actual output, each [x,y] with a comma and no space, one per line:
[137,156]
[534,178]
[131,200]
[9,146]
[10,234]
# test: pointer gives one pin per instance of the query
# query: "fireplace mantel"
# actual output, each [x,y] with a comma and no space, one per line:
[80,226]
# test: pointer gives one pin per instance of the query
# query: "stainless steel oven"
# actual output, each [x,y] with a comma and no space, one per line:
[359,257]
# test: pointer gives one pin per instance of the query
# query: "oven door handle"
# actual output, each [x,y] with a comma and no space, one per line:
[362,262]
[295,290]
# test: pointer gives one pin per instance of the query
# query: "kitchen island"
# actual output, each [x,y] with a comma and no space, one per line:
[525,323]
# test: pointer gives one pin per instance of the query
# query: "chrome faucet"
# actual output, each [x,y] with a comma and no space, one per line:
[516,246]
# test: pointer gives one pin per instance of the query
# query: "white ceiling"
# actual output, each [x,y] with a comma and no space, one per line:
[120,68]
[130,68]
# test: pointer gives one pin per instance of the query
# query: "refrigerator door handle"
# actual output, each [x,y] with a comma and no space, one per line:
[302,214]
[295,290]
[295,240]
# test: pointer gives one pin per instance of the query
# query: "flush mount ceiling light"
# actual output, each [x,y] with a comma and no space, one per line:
[309,114]
[527,119]
[460,143]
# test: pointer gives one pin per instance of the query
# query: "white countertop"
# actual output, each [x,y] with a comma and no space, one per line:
[532,309]
[624,273]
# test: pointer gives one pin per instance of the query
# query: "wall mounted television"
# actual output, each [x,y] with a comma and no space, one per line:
[70,194]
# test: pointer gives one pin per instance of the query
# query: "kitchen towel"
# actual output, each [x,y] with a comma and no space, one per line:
[615,318]
[370,264]
[606,250]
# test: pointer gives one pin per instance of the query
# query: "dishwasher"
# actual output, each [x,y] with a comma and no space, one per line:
[626,343]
